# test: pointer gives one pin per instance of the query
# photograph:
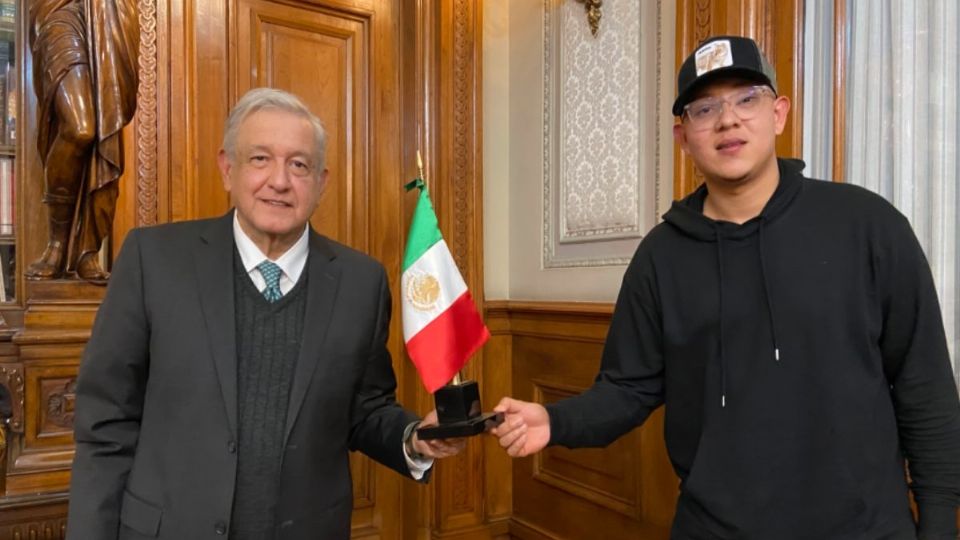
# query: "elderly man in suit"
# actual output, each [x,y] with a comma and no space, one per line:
[236,360]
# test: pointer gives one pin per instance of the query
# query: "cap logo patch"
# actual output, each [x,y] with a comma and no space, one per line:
[714,55]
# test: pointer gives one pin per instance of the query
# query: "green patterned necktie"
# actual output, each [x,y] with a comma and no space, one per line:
[271,274]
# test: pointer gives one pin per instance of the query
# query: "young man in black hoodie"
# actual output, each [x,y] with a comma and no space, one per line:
[791,329]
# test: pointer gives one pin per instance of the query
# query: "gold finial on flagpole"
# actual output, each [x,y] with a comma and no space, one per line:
[420,167]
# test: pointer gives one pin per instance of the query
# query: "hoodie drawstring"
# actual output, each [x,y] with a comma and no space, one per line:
[769,300]
[723,360]
[766,292]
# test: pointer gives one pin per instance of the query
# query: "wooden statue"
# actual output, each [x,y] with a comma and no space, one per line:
[85,77]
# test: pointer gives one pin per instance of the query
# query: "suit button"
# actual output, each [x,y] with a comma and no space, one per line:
[232,447]
[220,528]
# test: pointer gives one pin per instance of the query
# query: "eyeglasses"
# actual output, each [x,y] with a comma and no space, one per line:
[704,113]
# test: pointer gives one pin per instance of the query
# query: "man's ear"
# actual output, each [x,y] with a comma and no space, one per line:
[780,109]
[322,180]
[680,136]
[224,164]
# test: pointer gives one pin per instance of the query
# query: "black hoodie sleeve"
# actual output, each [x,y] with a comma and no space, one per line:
[924,393]
[630,383]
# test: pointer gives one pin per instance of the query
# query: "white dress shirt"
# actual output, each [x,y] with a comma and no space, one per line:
[291,263]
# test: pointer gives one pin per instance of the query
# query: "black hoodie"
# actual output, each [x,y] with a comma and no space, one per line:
[801,358]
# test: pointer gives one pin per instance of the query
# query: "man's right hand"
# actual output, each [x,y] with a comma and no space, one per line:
[525,429]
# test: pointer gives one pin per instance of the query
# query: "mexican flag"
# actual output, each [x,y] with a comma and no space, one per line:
[441,325]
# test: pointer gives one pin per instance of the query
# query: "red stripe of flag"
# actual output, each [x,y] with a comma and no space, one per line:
[442,347]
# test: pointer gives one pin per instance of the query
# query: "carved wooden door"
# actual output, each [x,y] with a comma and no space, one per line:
[341,60]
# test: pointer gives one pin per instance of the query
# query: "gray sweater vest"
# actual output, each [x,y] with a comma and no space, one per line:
[268,343]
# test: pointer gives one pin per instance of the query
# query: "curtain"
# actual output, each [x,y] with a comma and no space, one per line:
[901,123]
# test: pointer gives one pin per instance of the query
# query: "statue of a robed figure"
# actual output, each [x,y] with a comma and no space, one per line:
[85,77]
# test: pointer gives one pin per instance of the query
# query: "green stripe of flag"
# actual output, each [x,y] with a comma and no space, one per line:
[424,231]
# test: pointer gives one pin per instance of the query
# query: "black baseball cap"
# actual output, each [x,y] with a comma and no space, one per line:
[722,55]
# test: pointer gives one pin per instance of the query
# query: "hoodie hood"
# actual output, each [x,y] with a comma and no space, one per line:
[687,216]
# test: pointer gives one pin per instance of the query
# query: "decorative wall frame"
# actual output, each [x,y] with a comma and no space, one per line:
[601,125]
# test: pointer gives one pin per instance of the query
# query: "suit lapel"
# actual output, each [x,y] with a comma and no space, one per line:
[214,259]
[323,279]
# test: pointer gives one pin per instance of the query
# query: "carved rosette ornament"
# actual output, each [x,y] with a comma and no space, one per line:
[60,404]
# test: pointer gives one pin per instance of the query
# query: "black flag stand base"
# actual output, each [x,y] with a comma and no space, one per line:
[459,414]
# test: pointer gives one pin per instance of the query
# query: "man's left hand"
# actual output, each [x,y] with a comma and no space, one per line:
[436,448]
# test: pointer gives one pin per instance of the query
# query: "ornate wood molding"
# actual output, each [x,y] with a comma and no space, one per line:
[48,529]
[11,376]
[34,517]
[702,18]
[574,321]
[60,403]
[464,97]
[451,63]
[463,499]
[147,116]
[499,308]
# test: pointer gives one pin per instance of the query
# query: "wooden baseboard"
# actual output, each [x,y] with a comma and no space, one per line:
[35,516]
[521,530]
[494,530]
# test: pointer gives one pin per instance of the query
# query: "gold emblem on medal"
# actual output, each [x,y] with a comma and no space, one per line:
[423,291]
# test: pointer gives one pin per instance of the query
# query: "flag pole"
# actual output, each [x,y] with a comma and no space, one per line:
[456,376]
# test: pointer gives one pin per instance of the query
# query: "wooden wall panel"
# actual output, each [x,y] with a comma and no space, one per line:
[52,389]
[460,493]
[626,490]
[605,476]
[42,447]
[497,383]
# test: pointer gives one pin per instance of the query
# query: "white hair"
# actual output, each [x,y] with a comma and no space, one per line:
[272,98]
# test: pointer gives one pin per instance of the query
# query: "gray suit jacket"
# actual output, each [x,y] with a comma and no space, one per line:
[156,410]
